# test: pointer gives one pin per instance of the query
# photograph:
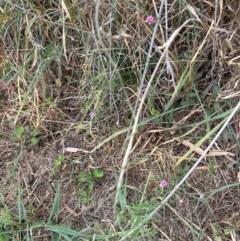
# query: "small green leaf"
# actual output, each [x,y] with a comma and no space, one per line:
[154,112]
[14,136]
[226,231]
[32,208]
[57,163]
[158,121]
[20,130]
[34,141]
[84,196]
[215,91]
[190,94]
[17,133]
[98,173]
[225,135]
[90,187]
[61,158]
[35,132]
[49,101]
[68,78]
[58,82]
[84,177]
[216,106]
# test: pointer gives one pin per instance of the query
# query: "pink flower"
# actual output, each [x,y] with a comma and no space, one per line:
[92,114]
[149,19]
[163,183]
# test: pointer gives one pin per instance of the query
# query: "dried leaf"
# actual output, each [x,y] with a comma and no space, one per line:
[72,211]
[64,6]
[73,149]
[211,153]
[206,167]
[189,144]
[220,153]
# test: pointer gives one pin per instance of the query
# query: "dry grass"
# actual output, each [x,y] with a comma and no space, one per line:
[160,93]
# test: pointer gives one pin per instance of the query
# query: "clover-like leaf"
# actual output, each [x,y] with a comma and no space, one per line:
[98,173]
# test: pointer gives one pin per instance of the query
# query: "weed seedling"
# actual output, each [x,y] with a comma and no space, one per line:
[87,181]
[98,173]
[18,133]
[58,162]
[33,135]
